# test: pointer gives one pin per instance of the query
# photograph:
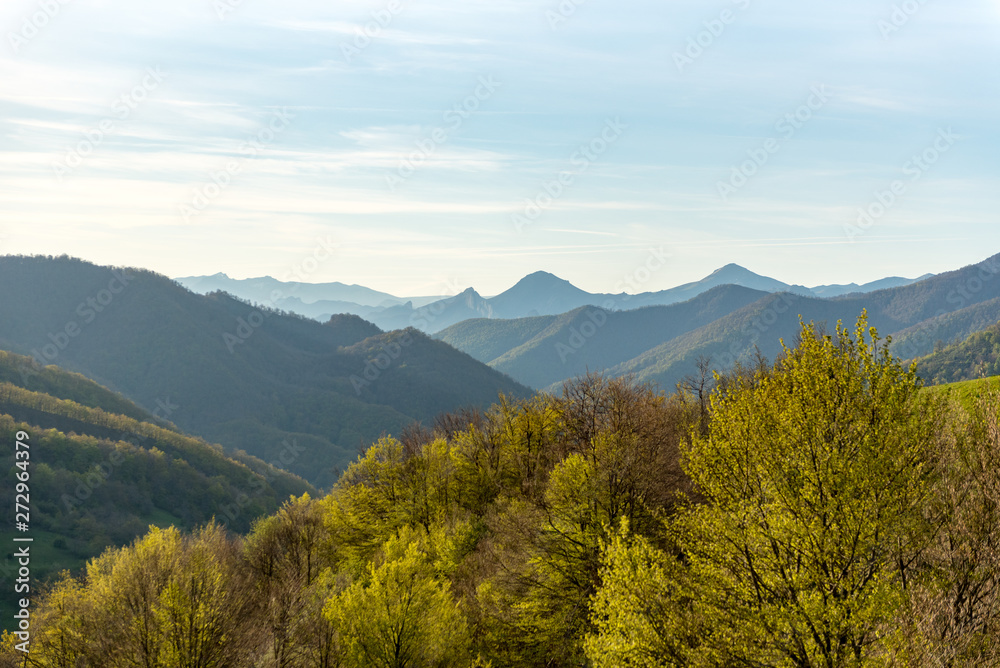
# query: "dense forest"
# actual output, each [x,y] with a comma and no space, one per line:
[104,469]
[822,510]
[246,376]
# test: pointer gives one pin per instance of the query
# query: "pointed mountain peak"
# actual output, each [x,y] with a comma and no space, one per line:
[539,293]
[731,269]
[541,282]
[736,275]
[467,295]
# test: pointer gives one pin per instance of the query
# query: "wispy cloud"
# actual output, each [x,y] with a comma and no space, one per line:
[355,122]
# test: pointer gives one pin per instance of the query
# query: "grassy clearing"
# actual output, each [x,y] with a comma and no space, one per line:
[968,391]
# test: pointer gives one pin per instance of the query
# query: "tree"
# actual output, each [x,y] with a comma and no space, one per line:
[284,556]
[166,600]
[618,449]
[206,610]
[814,477]
[400,615]
[953,612]
[643,613]
[370,502]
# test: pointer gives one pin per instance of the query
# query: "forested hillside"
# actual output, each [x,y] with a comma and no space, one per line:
[661,344]
[543,352]
[976,357]
[102,470]
[245,376]
[820,511]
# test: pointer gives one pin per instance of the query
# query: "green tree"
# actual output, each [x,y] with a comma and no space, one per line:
[401,615]
[284,556]
[815,476]
[166,601]
[370,502]
[205,609]
[618,449]
[643,613]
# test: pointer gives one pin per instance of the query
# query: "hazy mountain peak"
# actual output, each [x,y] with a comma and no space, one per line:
[539,293]
[542,279]
[731,270]
[731,265]
[739,275]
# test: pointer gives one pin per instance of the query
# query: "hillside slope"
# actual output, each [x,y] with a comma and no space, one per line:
[101,470]
[974,358]
[918,307]
[661,344]
[241,376]
[545,350]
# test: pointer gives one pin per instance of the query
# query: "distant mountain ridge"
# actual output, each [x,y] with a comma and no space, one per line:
[537,294]
[271,291]
[545,350]
[662,343]
[247,377]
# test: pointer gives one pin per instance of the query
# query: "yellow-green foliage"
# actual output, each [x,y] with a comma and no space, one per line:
[846,519]
[815,477]
[825,511]
[643,613]
[167,601]
[400,614]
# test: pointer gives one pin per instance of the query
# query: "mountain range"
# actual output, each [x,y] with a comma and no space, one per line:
[281,387]
[540,293]
[309,395]
[661,344]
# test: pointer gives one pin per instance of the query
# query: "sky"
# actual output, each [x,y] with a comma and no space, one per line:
[420,147]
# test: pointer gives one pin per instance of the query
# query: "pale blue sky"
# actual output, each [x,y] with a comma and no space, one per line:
[358,142]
